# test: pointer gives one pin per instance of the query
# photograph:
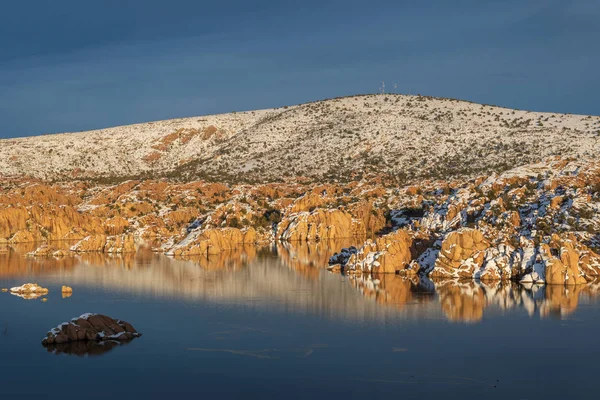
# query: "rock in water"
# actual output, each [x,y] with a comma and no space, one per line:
[91,327]
[29,291]
[67,291]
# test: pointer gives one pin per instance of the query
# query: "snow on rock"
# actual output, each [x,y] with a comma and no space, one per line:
[91,327]
[387,254]
[29,291]
[343,256]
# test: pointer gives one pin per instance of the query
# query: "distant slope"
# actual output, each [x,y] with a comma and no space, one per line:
[403,136]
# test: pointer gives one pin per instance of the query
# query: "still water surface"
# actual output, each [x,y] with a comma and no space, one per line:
[275,324]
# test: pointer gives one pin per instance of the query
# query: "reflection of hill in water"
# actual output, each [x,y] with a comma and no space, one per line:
[295,279]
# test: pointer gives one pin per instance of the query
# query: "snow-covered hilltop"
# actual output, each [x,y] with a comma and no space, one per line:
[398,135]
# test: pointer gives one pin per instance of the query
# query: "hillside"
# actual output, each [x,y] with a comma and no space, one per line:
[402,136]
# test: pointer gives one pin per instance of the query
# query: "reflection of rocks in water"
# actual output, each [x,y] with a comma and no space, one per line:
[123,260]
[393,289]
[466,300]
[296,281]
[14,263]
[560,300]
[461,300]
[308,258]
[87,348]
[233,259]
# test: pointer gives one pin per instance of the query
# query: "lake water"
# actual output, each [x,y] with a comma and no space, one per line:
[273,323]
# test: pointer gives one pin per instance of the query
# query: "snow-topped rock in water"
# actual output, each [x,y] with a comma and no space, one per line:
[91,327]
[29,291]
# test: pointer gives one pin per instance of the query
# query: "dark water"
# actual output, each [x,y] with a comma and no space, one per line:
[257,325]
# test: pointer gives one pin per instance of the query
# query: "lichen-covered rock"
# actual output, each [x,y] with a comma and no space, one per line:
[91,327]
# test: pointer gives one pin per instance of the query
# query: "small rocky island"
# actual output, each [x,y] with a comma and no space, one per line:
[95,329]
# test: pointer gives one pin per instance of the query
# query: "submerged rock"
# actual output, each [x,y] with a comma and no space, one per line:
[91,327]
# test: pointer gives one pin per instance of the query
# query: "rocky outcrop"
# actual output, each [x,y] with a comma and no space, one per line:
[47,251]
[501,262]
[385,255]
[44,221]
[91,327]
[564,261]
[573,253]
[462,254]
[106,244]
[564,270]
[319,225]
[215,241]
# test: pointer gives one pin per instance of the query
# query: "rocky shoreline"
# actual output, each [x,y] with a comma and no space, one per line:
[535,224]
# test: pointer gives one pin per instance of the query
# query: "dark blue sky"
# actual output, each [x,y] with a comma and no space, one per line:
[73,65]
